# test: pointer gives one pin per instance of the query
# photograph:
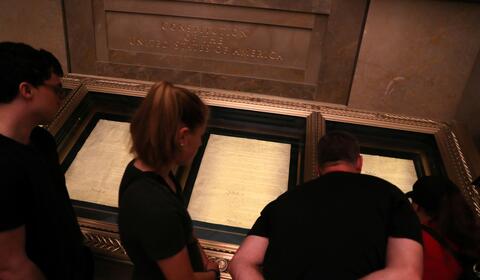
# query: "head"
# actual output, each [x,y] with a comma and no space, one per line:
[429,192]
[339,149]
[30,75]
[438,200]
[168,126]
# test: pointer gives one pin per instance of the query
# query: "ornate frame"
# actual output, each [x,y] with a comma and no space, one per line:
[103,237]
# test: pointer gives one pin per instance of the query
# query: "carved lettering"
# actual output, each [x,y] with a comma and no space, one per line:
[151,43]
[221,31]
[218,40]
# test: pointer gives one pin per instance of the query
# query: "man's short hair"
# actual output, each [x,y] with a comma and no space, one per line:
[337,146]
[19,63]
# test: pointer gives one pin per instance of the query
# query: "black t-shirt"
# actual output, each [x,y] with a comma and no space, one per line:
[33,194]
[153,222]
[334,227]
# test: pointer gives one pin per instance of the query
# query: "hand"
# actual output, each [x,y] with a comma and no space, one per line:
[212,265]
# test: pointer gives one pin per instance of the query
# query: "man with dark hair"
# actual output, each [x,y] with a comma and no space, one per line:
[39,234]
[342,225]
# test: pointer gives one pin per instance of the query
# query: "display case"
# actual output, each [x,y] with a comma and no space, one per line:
[255,148]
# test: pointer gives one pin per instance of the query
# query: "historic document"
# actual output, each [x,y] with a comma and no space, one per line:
[398,171]
[96,172]
[237,178]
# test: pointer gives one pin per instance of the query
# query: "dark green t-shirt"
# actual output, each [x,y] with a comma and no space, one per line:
[153,222]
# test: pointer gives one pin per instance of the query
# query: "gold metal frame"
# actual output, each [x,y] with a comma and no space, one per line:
[103,237]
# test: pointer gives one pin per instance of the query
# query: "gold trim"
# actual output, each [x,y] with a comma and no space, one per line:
[452,153]
[69,105]
[461,173]
[71,82]
[104,239]
[313,134]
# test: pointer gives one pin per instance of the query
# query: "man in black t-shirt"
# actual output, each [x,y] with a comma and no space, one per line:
[342,225]
[39,234]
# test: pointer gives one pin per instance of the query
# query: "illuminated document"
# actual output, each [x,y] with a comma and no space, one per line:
[398,171]
[95,173]
[237,178]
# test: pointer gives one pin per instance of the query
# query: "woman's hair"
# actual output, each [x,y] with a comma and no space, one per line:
[457,221]
[442,200]
[155,124]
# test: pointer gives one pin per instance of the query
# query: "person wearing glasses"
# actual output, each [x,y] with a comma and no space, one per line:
[39,234]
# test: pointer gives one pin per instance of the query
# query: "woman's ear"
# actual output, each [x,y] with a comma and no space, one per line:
[183,132]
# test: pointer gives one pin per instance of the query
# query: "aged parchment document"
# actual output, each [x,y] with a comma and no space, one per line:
[237,178]
[398,171]
[97,170]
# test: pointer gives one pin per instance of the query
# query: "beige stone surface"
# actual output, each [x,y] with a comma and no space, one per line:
[213,46]
[265,47]
[468,111]
[416,57]
[225,40]
[37,23]
[339,50]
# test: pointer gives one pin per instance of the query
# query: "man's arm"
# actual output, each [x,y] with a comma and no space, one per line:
[404,261]
[15,264]
[248,259]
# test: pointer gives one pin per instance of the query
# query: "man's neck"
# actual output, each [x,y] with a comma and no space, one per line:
[15,124]
[340,167]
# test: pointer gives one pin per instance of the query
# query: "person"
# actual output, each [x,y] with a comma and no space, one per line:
[341,225]
[39,234]
[451,235]
[155,227]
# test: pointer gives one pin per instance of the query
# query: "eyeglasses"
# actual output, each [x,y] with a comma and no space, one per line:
[58,90]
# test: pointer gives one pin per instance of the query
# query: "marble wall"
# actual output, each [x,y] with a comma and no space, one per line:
[223,46]
[416,57]
[468,111]
[37,23]
[303,49]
